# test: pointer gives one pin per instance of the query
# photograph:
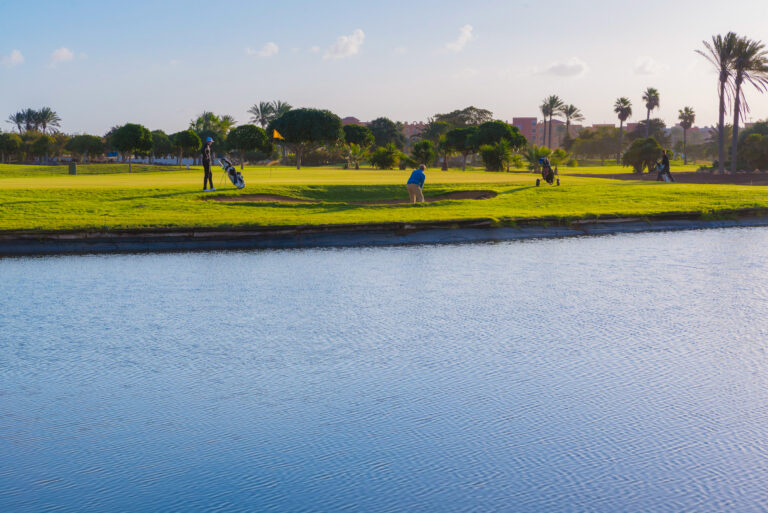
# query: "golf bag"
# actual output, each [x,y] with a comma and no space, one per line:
[232,173]
[547,173]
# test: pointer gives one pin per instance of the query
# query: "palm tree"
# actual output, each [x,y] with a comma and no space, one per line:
[262,113]
[750,63]
[18,120]
[720,53]
[544,113]
[570,112]
[280,107]
[651,99]
[46,118]
[554,105]
[687,117]
[623,108]
[30,120]
[226,122]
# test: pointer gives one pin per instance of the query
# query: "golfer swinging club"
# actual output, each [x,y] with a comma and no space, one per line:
[416,184]
[208,176]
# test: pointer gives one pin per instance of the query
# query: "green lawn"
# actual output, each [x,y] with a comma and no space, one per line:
[46,198]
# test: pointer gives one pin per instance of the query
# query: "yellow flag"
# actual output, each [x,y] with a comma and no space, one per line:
[277,135]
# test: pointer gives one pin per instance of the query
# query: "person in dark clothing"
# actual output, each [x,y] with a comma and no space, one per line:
[208,175]
[664,173]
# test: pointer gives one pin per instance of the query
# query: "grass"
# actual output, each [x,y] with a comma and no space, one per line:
[42,198]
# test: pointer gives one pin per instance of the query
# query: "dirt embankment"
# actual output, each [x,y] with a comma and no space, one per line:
[271,198]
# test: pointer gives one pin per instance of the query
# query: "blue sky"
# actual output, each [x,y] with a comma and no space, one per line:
[159,63]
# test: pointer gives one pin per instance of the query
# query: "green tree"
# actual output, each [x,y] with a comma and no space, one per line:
[17,119]
[720,53]
[9,144]
[186,142]
[656,127]
[554,106]
[533,153]
[262,113]
[434,130]
[84,145]
[750,64]
[492,132]
[386,157]
[161,144]
[359,134]
[444,151]
[642,154]
[498,156]
[247,138]
[651,99]
[571,113]
[754,150]
[623,108]
[132,138]
[42,146]
[280,107]
[354,153]
[46,118]
[462,140]
[470,116]
[687,117]
[307,129]
[386,131]
[424,152]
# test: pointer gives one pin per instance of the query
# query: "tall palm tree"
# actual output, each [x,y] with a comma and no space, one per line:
[720,53]
[545,111]
[623,108]
[651,99]
[571,113]
[280,107]
[687,117]
[47,118]
[30,120]
[262,113]
[554,105]
[226,122]
[750,63]
[18,120]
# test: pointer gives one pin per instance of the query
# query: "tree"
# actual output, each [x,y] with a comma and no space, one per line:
[9,144]
[470,116]
[750,63]
[462,140]
[642,154]
[42,145]
[359,134]
[161,144]
[434,130]
[386,131]
[84,145]
[600,142]
[571,113]
[656,127]
[354,153]
[443,151]
[247,138]
[720,53]
[492,132]
[262,113]
[623,109]
[423,152]
[186,141]
[754,149]
[651,99]
[280,107]
[132,138]
[18,120]
[46,118]
[687,117]
[386,157]
[307,129]
[532,155]
[544,115]
[497,157]
[554,106]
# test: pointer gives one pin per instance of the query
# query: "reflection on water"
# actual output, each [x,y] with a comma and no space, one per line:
[624,373]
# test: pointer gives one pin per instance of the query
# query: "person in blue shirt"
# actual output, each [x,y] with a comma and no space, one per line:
[416,184]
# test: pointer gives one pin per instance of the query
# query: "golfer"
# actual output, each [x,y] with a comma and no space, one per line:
[416,184]
[208,176]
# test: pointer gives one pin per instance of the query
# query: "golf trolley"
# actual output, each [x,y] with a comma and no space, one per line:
[232,173]
[547,173]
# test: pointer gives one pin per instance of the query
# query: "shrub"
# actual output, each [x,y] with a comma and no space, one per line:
[386,157]
[496,157]
[642,154]
[423,152]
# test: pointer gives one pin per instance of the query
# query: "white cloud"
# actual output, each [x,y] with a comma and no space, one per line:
[465,36]
[61,55]
[573,67]
[15,58]
[268,50]
[648,66]
[315,49]
[346,46]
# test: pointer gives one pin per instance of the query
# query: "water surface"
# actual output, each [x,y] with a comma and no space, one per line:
[621,373]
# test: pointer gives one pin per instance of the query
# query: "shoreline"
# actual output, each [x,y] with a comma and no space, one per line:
[356,235]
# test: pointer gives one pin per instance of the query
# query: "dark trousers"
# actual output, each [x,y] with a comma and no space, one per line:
[208,177]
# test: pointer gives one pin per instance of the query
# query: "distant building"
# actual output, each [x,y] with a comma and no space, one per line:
[351,120]
[413,129]
[528,127]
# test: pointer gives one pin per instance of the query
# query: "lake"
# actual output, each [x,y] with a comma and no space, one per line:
[617,373]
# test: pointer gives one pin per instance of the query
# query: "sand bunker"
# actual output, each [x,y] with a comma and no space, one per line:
[271,198]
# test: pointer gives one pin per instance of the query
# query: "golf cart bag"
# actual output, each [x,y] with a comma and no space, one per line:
[664,173]
[547,173]
[232,173]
